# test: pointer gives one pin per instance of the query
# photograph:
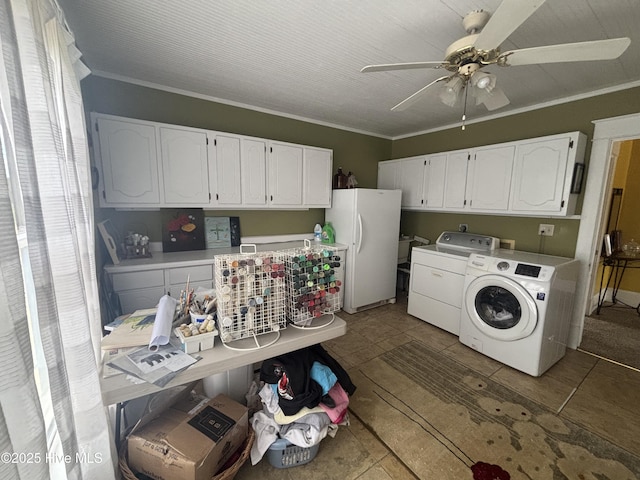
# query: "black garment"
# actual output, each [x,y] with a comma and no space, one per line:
[299,389]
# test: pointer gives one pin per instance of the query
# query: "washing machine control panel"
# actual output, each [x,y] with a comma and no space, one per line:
[528,270]
[510,267]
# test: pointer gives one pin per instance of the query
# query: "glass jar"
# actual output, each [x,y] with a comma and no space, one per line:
[631,248]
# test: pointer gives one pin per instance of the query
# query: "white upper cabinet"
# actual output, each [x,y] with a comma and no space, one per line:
[543,173]
[152,165]
[184,166]
[225,170]
[254,172]
[128,163]
[317,169]
[490,181]
[533,177]
[411,181]
[455,184]
[284,173]
[434,176]
[389,175]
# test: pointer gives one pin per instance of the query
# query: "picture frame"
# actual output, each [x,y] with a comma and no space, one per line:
[182,229]
[576,180]
[222,232]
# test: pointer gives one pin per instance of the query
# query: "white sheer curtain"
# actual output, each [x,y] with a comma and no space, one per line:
[52,421]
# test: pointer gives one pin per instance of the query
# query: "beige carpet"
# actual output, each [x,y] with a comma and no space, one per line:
[464,418]
[613,334]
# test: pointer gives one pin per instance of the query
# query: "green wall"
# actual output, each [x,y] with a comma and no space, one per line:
[360,153]
[354,152]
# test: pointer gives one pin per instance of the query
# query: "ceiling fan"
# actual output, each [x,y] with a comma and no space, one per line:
[465,58]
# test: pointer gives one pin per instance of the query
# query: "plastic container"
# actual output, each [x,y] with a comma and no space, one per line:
[196,343]
[317,232]
[328,234]
[284,454]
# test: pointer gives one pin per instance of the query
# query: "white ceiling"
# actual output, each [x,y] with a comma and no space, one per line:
[302,58]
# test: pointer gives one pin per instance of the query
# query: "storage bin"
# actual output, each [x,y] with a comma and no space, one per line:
[284,454]
[196,343]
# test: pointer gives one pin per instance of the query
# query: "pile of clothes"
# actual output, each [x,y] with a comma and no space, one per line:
[304,397]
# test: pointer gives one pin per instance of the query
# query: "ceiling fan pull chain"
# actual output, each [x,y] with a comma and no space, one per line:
[464,111]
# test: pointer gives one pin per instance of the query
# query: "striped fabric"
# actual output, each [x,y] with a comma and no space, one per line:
[50,402]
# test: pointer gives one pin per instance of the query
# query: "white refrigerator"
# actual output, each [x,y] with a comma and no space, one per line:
[368,222]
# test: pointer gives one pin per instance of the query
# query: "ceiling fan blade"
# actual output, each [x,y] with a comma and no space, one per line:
[509,16]
[403,66]
[495,99]
[568,52]
[416,96]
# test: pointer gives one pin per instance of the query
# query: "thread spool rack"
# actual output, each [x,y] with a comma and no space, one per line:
[250,293]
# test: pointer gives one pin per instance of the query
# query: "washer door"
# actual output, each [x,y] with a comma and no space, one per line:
[500,308]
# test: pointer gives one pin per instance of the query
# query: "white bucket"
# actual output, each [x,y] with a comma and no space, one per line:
[233,383]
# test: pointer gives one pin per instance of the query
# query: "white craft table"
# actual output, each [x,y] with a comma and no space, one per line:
[219,359]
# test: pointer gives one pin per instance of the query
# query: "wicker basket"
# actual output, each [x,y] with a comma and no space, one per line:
[227,474]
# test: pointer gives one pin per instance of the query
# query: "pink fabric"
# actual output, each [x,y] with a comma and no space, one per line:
[341,400]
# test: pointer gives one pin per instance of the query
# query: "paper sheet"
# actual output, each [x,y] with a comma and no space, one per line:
[162,325]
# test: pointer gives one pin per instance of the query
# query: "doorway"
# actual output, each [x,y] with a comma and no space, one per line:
[612,330]
[596,200]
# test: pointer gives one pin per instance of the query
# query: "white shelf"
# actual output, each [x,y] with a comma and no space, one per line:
[220,359]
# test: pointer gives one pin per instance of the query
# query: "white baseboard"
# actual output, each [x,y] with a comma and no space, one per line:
[624,296]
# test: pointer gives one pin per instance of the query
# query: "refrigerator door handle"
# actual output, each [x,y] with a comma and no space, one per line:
[360,238]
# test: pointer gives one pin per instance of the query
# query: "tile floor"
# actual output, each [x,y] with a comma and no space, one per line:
[604,401]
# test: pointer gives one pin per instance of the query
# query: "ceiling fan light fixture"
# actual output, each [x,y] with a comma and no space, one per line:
[483,81]
[449,95]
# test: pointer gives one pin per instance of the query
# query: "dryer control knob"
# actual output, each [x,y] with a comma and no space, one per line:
[503,266]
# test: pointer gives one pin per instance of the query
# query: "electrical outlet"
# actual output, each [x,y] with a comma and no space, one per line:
[546,229]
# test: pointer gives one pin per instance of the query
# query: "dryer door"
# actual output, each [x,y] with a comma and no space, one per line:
[500,308]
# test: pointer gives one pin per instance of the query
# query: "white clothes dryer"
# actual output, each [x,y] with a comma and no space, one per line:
[517,307]
[437,277]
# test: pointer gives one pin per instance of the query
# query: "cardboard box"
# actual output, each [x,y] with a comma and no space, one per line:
[189,441]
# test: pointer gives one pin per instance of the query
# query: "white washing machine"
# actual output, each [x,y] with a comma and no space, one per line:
[517,307]
[437,277]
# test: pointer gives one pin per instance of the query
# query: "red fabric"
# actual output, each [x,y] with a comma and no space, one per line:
[487,471]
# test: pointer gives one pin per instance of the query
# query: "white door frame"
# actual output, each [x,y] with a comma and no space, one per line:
[607,132]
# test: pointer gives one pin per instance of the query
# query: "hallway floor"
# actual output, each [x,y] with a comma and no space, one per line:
[598,396]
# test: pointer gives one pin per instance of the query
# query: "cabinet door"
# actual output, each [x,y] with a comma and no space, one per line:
[455,185]
[434,176]
[411,181]
[129,161]
[491,178]
[285,175]
[184,167]
[254,172]
[539,175]
[388,175]
[226,170]
[317,169]
[132,300]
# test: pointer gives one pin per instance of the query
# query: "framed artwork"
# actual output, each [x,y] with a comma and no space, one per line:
[221,232]
[182,229]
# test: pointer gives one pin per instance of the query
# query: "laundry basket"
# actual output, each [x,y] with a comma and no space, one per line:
[284,454]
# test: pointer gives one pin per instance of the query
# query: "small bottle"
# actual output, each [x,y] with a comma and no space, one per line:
[340,179]
[317,232]
[328,233]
